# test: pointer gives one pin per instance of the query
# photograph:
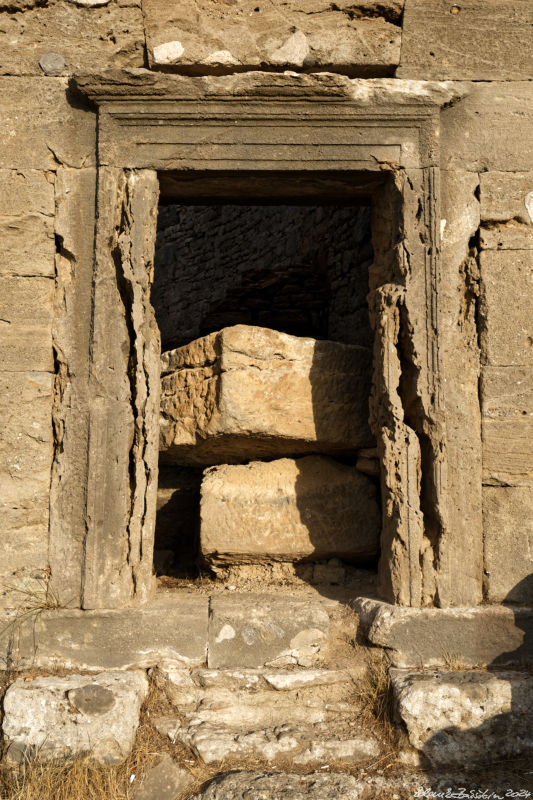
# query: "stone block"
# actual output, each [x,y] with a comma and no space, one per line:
[471,40]
[26,306]
[169,629]
[506,319]
[164,781]
[458,719]
[490,129]
[507,408]
[510,235]
[247,392]
[108,35]
[62,131]
[508,537]
[259,630]
[311,507]
[62,718]
[431,637]
[198,33]
[27,223]
[259,785]
[506,196]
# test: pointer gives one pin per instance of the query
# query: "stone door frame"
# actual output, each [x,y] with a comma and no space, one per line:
[384,131]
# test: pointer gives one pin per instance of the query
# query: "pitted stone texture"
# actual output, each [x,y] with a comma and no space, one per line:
[428,637]
[248,392]
[26,306]
[464,718]
[82,35]
[288,510]
[195,33]
[260,785]
[164,781]
[169,629]
[307,716]
[508,537]
[61,718]
[258,630]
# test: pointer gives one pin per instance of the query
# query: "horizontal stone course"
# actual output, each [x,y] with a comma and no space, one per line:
[247,34]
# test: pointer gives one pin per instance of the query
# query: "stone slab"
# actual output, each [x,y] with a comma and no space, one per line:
[490,128]
[508,537]
[507,407]
[107,35]
[506,196]
[257,630]
[506,319]
[26,306]
[431,637]
[164,781]
[510,235]
[167,629]
[288,510]
[63,718]
[248,392]
[200,34]
[62,131]
[471,40]
[458,719]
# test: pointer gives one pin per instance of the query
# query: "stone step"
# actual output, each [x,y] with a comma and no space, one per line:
[176,628]
[456,718]
[306,715]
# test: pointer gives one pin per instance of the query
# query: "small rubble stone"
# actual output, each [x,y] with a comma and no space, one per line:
[463,718]
[52,64]
[249,392]
[165,781]
[61,718]
[288,510]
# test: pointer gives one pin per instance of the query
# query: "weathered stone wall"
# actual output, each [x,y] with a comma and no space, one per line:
[47,202]
[302,270]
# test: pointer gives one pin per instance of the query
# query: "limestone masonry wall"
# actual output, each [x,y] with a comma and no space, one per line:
[48,156]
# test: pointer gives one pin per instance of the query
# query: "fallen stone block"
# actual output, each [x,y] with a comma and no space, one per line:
[432,637]
[247,392]
[288,510]
[465,718]
[261,630]
[62,718]
[165,781]
[260,785]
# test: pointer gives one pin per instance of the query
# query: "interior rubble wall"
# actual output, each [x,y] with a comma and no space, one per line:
[47,215]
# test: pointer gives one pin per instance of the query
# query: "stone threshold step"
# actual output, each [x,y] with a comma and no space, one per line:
[243,630]
[440,637]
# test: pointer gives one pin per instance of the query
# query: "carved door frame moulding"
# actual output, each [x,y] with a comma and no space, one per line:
[387,130]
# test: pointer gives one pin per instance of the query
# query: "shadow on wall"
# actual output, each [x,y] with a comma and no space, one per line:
[499,737]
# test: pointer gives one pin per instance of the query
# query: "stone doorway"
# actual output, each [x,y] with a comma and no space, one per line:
[379,138]
[240,258]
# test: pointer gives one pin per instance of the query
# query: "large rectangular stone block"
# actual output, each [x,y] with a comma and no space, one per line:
[247,34]
[42,125]
[470,40]
[27,223]
[248,392]
[508,536]
[507,321]
[89,36]
[312,507]
[507,408]
[26,306]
